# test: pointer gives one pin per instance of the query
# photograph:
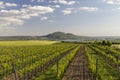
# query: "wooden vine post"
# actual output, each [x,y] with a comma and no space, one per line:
[13,66]
[14,70]
[23,67]
[57,68]
[96,76]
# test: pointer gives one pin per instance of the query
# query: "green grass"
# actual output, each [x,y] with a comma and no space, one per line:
[116,45]
[105,71]
[51,73]
[28,58]
[29,42]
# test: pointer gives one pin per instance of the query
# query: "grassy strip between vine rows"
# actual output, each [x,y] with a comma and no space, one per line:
[27,58]
[112,53]
[105,71]
[52,74]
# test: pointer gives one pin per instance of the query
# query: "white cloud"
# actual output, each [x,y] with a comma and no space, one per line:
[44,18]
[62,1]
[18,17]
[30,11]
[57,6]
[5,21]
[53,1]
[88,8]
[40,0]
[40,9]
[65,2]
[71,2]
[1,4]
[117,2]
[25,5]
[10,12]
[67,11]
[4,5]
[10,4]
[37,0]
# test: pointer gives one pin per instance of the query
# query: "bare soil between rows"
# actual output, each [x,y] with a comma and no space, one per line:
[78,68]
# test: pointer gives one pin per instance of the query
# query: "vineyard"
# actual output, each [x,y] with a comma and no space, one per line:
[58,61]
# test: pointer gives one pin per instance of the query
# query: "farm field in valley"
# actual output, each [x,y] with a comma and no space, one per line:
[59,39]
[27,42]
[116,46]
[53,60]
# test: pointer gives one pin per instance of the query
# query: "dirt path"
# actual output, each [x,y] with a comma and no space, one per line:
[78,68]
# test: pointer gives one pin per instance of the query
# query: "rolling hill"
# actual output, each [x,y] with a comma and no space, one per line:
[59,36]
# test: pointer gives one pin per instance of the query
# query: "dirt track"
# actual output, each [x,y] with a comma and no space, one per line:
[78,68]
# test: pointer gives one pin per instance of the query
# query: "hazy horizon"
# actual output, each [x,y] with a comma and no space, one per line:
[58,31]
[41,17]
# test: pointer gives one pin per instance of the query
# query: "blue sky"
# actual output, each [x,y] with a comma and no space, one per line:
[40,17]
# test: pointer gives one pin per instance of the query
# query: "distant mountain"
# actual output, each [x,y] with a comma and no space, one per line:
[62,35]
[51,36]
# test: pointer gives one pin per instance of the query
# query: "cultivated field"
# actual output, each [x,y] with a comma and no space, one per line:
[51,60]
[30,42]
[116,46]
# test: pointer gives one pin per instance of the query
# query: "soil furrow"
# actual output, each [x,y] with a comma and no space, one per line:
[78,68]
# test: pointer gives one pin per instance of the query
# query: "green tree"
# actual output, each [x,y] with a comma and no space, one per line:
[109,43]
[104,42]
